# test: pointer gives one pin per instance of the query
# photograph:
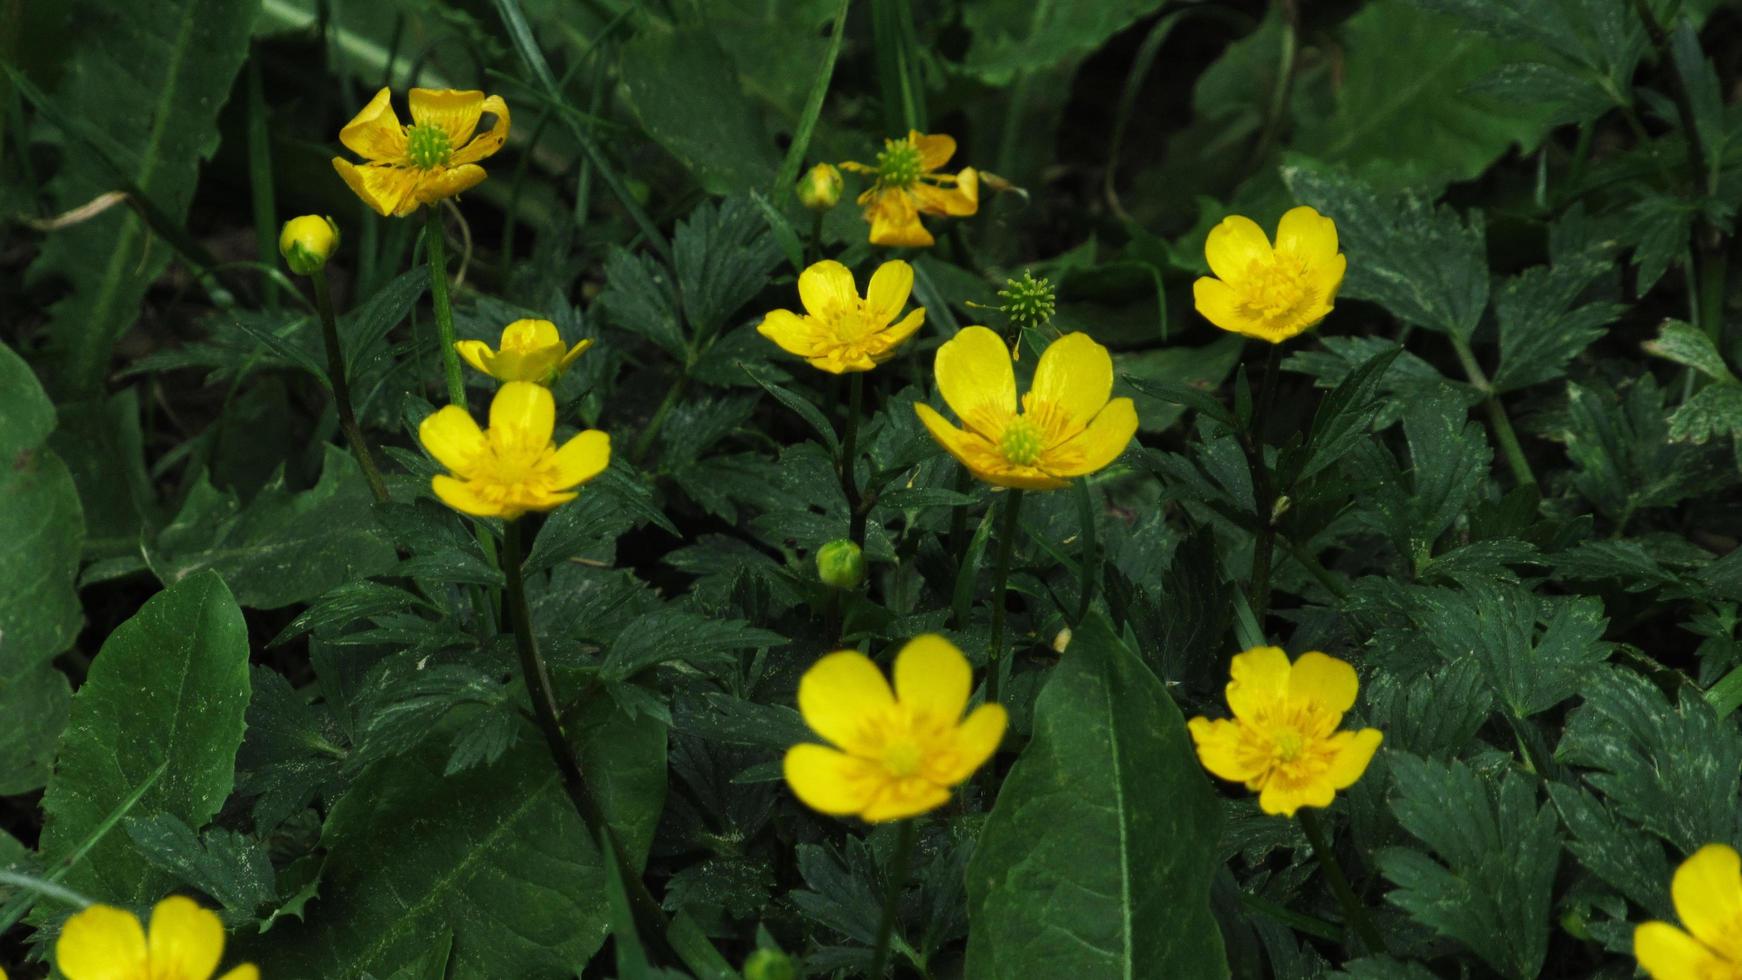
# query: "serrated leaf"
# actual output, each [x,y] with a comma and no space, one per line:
[1619,444]
[1435,715]
[723,257]
[1614,850]
[640,297]
[812,415]
[1495,624]
[233,869]
[671,636]
[1341,421]
[1179,369]
[1540,327]
[294,750]
[1715,410]
[1688,345]
[1449,463]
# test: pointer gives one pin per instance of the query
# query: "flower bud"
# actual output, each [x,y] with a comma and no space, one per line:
[769,964]
[841,564]
[307,242]
[820,188]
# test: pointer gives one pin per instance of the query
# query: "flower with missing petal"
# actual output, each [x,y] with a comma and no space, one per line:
[530,350]
[907,185]
[1707,890]
[1067,426]
[895,754]
[435,157]
[1283,741]
[186,942]
[842,332]
[513,467]
[1271,292]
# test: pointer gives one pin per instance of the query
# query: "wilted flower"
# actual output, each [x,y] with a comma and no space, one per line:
[1707,890]
[514,467]
[907,186]
[307,242]
[897,754]
[1283,741]
[433,158]
[106,943]
[1067,426]
[1265,291]
[842,332]
[530,350]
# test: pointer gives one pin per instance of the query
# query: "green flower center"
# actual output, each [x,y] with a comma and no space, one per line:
[1028,302]
[1289,745]
[902,758]
[427,146]
[899,164]
[1276,290]
[1021,442]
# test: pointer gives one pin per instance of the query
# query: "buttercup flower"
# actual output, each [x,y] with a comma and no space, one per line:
[307,242]
[531,350]
[1707,890]
[1283,741]
[1067,426]
[842,332]
[435,157]
[514,467]
[106,943]
[1265,291]
[897,754]
[907,186]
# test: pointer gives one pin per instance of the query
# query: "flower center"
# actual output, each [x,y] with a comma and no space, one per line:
[1288,745]
[427,146]
[1021,442]
[902,757]
[1277,289]
[898,165]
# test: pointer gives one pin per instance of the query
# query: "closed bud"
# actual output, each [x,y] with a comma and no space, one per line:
[307,242]
[841,564]
[769,964]
[1062,640]
[820,188]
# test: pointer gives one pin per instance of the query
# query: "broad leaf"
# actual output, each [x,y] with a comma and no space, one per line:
[1012,36]
[685,91]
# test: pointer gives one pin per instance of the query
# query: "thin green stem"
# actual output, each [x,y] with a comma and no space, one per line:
[907,835]
[342,388]
[1713,266]
[1503,431]
[1277,109]
[435,247]
[1091,560]
[260,179]
[1314,567]
[1353,911]
[848,463]
[1000,580]
[644,441]
[959,515]
[1263,488]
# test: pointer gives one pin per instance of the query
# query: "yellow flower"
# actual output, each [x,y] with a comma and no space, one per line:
[1271,293]
[531,350]
[307,242]
[1283,741]
[897,754]
[907,187]
[1067,426]
[1707,890]
[107,943]
[435,157]
[514,467]
[843,332]
[820,188]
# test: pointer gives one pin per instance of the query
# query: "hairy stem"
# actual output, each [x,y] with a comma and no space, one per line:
[1000,579]
[342,388]
[1353,911]
[435,249]
[908,834]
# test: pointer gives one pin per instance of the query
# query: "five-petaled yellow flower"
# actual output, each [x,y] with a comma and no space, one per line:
[514,467]
[186,942]
[1707,890]
[897,754]
[842,332]
[530,350]
[1271,292]
[435,157]
[907,186]
[1067,426]
[1283,741]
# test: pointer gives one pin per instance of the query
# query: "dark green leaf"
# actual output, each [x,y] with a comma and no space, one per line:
[1495,625]
[685,91]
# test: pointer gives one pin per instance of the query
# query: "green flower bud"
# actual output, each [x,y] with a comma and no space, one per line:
[820,188]
[1028,302]
[841,564]
[769,964]
[307,242]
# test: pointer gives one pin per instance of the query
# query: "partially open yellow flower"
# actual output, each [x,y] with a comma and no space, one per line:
[1707,890]
[107,943]
[1067,426]
[514,467]
[531,350]
[435,157]
[842,332]
[1283,741]
[897,754]
[1265,291]
[907,186]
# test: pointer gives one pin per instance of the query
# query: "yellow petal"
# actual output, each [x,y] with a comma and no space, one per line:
[476,353]
[1234,245]
[374,132]
[827,290]
[1259,678]
[384,189]
[1707,889]
[530,335]
[1327,683]
[523,414]
[888,291]
[1308,235]
[1074,378]
[453,438]
[486,143]
[455,112]
[1328,278]
[1096,446]
[903,799]
[956,202]
[185,938]
[839,693]
[933,678]
[976,739]
[1280,799]
[894,221]
[975,376]
[793,333]
[461,496]
[969,449]
[934,150]
[443,184]
[574,353]
[1219,745]
[246,971]
[581,458]
[1218,303]
[535,366]
[885,342]
[102,943]
[829,781]
[1353,751]
[1667,953]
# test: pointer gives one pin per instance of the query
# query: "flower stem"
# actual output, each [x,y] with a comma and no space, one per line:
[342,387]
[1503,432]
[1001,577]
[644,442]
[907,834]
[1091,567]
[848,462]
[1352,908]
[1263,489]
[435,248]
